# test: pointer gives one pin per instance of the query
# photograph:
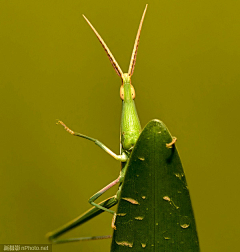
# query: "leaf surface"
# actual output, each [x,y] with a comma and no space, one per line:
[155,211]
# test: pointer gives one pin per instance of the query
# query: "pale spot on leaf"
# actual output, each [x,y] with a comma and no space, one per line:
[133,201]
[138,218]
[125,243]
[166,198]
[121,214]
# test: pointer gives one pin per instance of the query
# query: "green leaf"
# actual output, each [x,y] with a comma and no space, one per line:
[155,211]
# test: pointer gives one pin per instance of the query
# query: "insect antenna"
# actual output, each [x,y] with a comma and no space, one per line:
[135,48]
[107,50]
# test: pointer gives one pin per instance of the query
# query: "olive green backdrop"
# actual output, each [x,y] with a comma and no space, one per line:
[53,67]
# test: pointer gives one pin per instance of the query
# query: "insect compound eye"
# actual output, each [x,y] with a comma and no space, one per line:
[133,92]
[122,92]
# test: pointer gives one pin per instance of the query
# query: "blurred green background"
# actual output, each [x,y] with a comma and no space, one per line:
[53,67]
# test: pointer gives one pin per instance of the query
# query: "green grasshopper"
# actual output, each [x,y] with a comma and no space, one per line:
[129,138]
[130,131]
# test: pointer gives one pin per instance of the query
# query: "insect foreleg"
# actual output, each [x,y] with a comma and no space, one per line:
[169,145]
[122,158]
